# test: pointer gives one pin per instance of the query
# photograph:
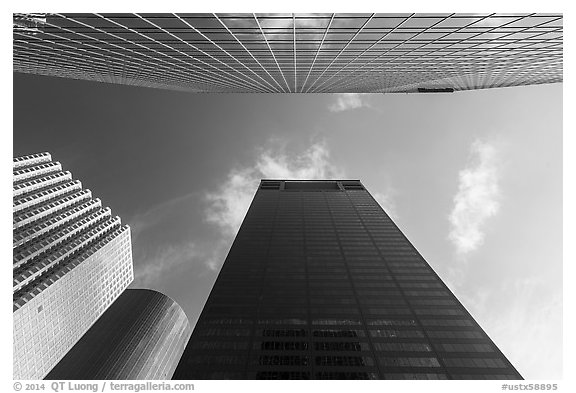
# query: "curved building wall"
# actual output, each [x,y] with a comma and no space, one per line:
[141,336]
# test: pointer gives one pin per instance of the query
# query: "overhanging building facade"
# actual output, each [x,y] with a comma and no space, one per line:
[294,53]
[71,260]
[321,284]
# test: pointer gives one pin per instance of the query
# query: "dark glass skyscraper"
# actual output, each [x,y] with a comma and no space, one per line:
[321,284]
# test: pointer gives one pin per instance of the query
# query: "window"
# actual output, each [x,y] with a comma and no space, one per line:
[345,375]
[409,362]
[338,333]
[282,375]
[284,333]
[283,360]
[339,346]
[282,345]
[349,361]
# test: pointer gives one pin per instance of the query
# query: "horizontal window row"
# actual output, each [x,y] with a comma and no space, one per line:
[283,360]
[474,362]
[402,347]
[395,333]
[459,347]
[219,345]
[345,375]
[338,333]
[282,345]
[416,376]
[409,362]
[343,361]
[284,375]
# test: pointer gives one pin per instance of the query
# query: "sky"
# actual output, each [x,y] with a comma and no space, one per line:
[473,179]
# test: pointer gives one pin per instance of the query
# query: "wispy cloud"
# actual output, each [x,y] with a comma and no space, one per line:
[144,220]
[386,200]
[167,260]
[477,198]
[527,327]
[348,101]
[228,205]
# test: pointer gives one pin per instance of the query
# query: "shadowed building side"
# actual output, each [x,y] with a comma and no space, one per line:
[141,336]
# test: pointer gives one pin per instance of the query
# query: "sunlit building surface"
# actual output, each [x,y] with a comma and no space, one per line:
[321,284]
[141,336]
[71,260]
[294,53]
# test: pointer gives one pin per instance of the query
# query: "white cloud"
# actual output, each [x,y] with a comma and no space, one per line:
[477,198]
[228,205]
[347,101]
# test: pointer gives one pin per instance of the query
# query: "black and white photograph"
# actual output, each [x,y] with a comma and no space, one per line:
[287,196]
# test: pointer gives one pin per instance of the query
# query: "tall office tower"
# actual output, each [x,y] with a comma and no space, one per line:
[294,53]
[71,260]
[141,336]
[321,284]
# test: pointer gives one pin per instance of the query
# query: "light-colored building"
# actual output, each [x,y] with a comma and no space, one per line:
[71,260]
[141,336]
[294,53]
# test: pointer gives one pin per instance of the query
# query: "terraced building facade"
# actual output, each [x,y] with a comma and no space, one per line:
[71,260]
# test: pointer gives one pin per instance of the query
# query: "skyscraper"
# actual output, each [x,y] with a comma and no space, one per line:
[294,53]
[141,336]
[71,260]
[321,284]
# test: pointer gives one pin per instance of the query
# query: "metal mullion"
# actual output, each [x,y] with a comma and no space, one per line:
[223,50]
[154,64]
[318,51]
[95,61]
[158,42]
[498,39]
[294,39]
[408,40]
[71,57]
[69,53]
[246,49]
[339,53]
[271,51]
[487,31]
[459,41]
[199,50]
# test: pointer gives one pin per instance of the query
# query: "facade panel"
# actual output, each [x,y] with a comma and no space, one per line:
[141,336]
[294,53]
[321,284]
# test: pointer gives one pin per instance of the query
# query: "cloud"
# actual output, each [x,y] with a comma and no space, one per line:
[167,260]
[348,101]
[526,328]
[143,221]
[228,205]
[386,200]
[477,198]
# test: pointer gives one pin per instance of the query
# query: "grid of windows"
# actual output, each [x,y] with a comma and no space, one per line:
[294,53]
[71,260]
[321,284]
[140,336]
